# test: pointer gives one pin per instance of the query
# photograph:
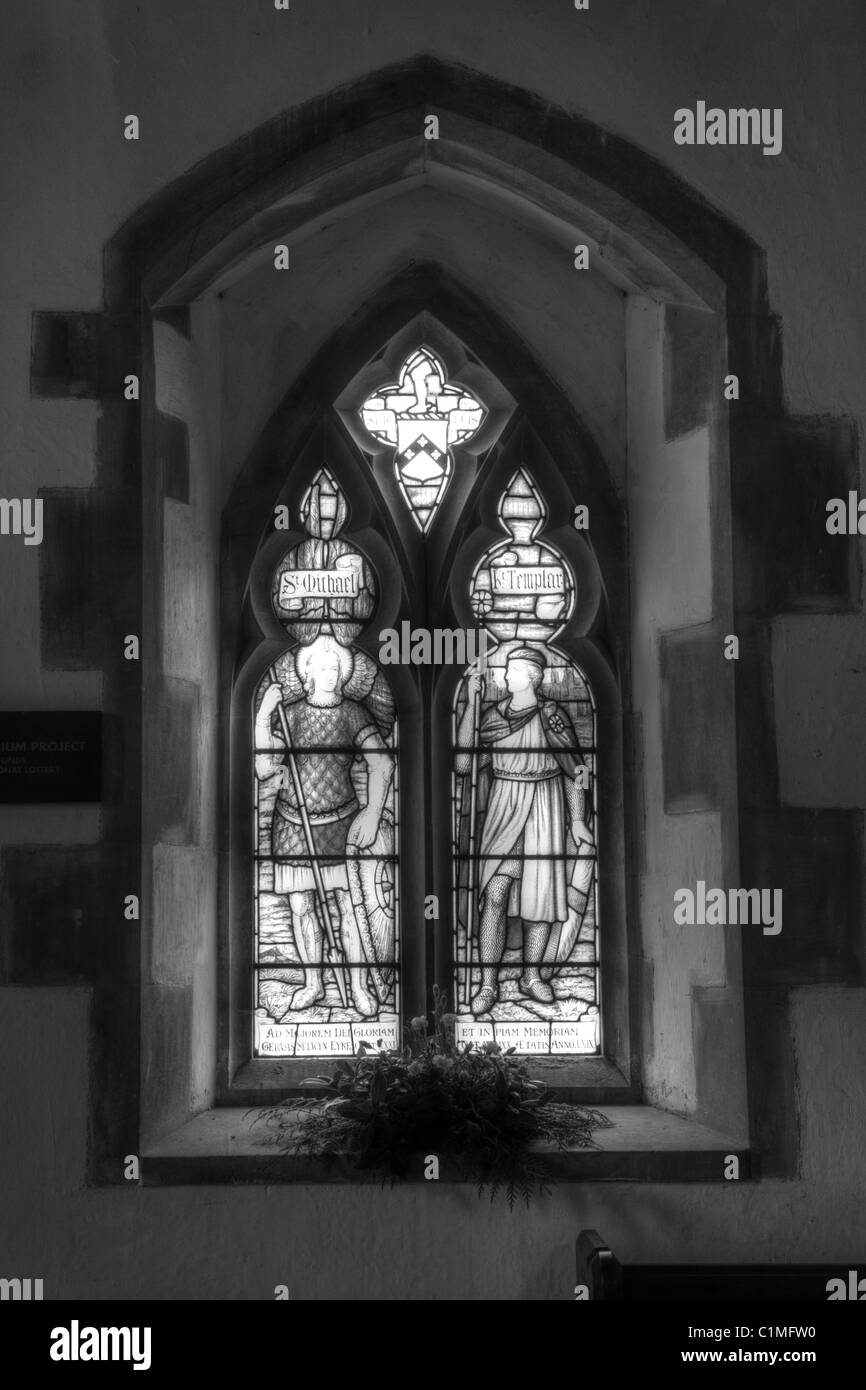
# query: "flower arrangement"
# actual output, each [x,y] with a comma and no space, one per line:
[476,1107]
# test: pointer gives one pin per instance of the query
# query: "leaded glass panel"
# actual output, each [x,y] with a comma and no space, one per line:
[326,960]
[422,416]
[524,827]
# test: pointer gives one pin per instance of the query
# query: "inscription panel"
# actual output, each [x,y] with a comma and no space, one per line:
[50,756]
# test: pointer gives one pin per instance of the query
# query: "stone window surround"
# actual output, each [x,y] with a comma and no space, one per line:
[151,254]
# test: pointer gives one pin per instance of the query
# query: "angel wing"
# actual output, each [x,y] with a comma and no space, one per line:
[368,684]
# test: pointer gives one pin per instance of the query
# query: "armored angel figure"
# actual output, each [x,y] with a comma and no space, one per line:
[329,818]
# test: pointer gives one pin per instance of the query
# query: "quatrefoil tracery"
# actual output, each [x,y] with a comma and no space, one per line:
[423,416]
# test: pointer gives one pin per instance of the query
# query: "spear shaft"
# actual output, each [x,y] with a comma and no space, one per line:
[472,873]
[335,954]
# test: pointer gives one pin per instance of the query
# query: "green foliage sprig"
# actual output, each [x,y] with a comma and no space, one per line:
[477,1108]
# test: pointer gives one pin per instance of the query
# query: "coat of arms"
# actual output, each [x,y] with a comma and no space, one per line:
[423,416]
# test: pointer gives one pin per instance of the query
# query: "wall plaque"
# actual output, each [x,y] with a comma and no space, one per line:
[50,755]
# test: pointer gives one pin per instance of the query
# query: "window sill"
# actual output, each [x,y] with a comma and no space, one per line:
[643,1145]
[585,1080]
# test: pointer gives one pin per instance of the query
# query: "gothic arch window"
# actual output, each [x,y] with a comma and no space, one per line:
[382,783]
[587,384]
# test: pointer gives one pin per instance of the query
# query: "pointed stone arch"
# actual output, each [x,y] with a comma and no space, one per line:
[536,162]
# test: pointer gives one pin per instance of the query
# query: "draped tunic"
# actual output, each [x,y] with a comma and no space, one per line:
[531,751]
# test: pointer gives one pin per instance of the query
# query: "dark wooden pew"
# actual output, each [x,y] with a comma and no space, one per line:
[606,1278]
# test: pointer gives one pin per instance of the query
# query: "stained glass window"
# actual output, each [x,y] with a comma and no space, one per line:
[325,793]
[525,828]
[423,416]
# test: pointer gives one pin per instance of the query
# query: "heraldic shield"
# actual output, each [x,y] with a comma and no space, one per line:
[374,900]
[422,417]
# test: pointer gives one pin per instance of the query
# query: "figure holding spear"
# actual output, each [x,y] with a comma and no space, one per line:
[535,817]
[318,819]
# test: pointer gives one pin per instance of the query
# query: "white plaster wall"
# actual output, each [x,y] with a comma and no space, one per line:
[819,684]
[179,946]
[201,74]
[428,1241]
[672,587]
